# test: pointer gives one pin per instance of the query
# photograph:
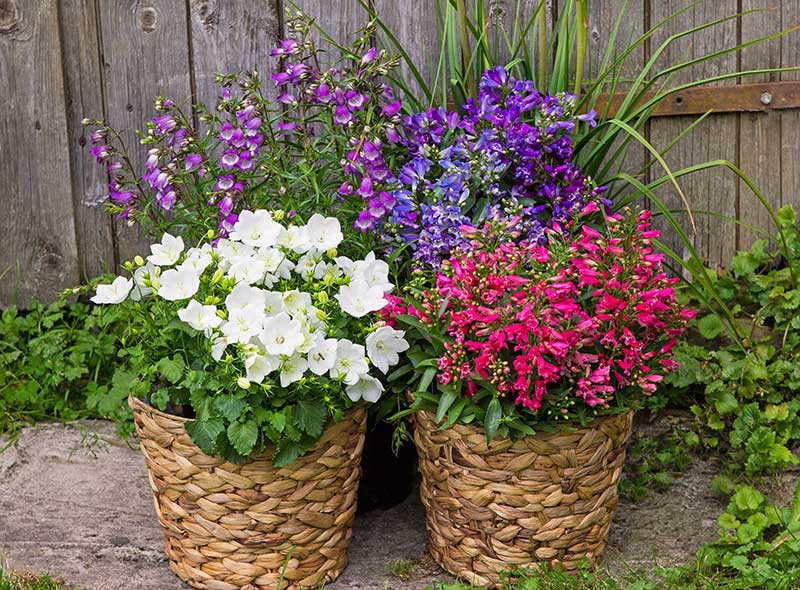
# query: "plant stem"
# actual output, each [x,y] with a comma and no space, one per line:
[542,45]
[461,10]
[582,18]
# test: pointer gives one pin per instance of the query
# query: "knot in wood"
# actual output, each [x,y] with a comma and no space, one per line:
[147,17]
[9,18]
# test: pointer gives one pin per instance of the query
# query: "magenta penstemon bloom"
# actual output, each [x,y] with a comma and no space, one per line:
[577,321]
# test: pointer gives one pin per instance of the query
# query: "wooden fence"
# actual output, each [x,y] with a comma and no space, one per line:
[63,60]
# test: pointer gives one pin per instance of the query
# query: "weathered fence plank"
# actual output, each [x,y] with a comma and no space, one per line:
[628,19]
[716,137]
[413,22]
[790,120]
[146,53]
[760,132]
[84,99]
[36,225]
[231,35]
[340,20]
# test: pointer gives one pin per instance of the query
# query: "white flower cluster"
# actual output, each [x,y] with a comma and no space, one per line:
[275,330]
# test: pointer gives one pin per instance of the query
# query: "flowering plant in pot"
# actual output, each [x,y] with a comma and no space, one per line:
[254,355]
[292,147]
[537,354]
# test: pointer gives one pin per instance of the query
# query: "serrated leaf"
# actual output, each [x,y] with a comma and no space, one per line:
[278,421]
[729,521]
[171,368]
[204,433]
[494,413]
[748,498]
[710,326]
[229,406]
[311,417]
[725,402]
[243,436]
[287,455]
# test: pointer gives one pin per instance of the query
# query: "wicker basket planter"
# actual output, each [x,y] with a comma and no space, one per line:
[233,527]
[545,498]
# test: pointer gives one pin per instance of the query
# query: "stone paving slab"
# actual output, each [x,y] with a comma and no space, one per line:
[75,502]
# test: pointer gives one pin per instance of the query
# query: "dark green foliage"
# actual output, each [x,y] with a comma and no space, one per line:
[759,544]
[57,361]
[748,392]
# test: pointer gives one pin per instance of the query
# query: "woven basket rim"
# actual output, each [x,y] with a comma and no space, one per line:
[137,401]
[567,425]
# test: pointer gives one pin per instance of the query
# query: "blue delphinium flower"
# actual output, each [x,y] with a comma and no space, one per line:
[507,155]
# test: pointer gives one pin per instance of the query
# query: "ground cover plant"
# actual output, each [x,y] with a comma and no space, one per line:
[747,389]
[59,361]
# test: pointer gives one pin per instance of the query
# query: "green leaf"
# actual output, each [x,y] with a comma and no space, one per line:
[729,521]
[204,433]
[243,436]
[171,368]
[725,402]
[311,417]
[229,406]
[711,326]
[447,399]
[287,455]
[748,498]
[278,421]
[427,379]
[494,413]
[786,215]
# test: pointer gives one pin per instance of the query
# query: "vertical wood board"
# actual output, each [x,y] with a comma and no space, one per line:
[145,49]
[84,99]
[37,224]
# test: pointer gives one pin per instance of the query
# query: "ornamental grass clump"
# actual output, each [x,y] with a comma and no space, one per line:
[266,337]
[523,333]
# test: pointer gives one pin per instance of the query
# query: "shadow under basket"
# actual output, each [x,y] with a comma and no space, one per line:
[548,498]
[237,527]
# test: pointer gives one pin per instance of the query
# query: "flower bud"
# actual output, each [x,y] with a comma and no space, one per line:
[210,234]
[331,253]
[217,276]
[128,266]
[243,382]
[323,298]
[138,261]
[321,315]
[278,214]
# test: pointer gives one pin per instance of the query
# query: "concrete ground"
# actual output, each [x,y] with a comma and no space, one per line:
[75,502]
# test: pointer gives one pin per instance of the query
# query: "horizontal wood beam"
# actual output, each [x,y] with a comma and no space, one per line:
[739,98]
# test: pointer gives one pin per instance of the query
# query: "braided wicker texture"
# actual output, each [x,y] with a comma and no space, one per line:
[233,527]
[545,498]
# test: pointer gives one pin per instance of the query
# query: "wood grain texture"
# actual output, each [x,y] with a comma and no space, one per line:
[716,138]
[760,132]
[340,19]
[413,22]
[36,225]
[84,99]
[790,120]
[146,53]
[603,18]
[231,35]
